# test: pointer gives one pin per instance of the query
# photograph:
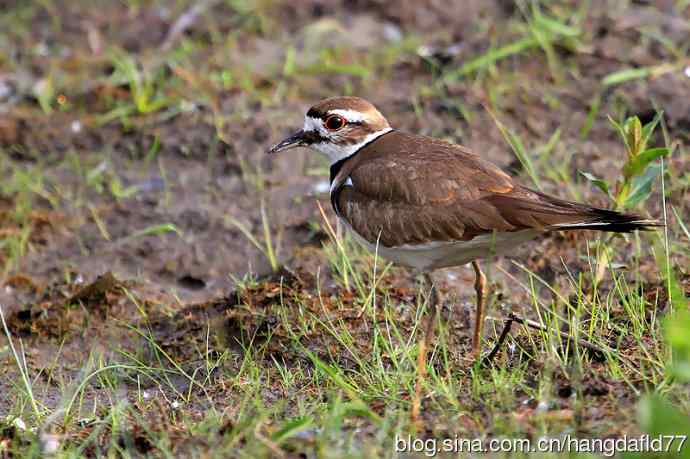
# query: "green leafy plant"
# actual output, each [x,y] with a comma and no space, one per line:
[657,415]
[676,329]
[666,425]
[142,84]
[634,185]
[639,171]
[145,88]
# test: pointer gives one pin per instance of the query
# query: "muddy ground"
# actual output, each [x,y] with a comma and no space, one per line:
[125,202]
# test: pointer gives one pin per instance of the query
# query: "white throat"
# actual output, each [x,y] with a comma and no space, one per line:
[336,152]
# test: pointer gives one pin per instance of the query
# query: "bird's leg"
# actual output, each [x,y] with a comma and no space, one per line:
[423,346]
[432,301]
[480,289]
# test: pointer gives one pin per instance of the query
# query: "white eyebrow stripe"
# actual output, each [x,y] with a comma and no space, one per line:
[316,124]
[350,115]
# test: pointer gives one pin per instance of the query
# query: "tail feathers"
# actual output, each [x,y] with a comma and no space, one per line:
[609,220]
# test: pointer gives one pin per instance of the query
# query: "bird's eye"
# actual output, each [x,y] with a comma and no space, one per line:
[334,122]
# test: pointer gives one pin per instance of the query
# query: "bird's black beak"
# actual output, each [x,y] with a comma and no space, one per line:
[297,139]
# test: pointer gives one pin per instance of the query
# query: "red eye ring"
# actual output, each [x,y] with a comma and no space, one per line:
[334,122]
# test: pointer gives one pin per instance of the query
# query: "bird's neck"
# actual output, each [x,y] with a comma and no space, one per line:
[337,152]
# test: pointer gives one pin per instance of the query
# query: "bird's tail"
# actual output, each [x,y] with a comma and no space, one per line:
[610,220]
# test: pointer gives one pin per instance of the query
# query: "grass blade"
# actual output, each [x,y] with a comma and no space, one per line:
[518,148]
[492,56]
[22,368]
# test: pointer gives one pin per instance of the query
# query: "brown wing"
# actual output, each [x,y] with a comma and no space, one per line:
[399,193]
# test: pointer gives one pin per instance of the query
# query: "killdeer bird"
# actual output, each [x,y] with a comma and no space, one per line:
[428,204]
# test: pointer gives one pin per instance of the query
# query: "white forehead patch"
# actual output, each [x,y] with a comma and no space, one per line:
[313,124]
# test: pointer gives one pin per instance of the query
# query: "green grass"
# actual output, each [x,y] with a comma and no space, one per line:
[351,396]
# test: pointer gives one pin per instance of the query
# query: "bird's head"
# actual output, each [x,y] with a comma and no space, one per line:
[337,127]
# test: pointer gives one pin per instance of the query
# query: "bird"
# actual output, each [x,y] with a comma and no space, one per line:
[427,203]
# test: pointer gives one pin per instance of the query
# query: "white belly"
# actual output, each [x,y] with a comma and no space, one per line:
[434,255]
